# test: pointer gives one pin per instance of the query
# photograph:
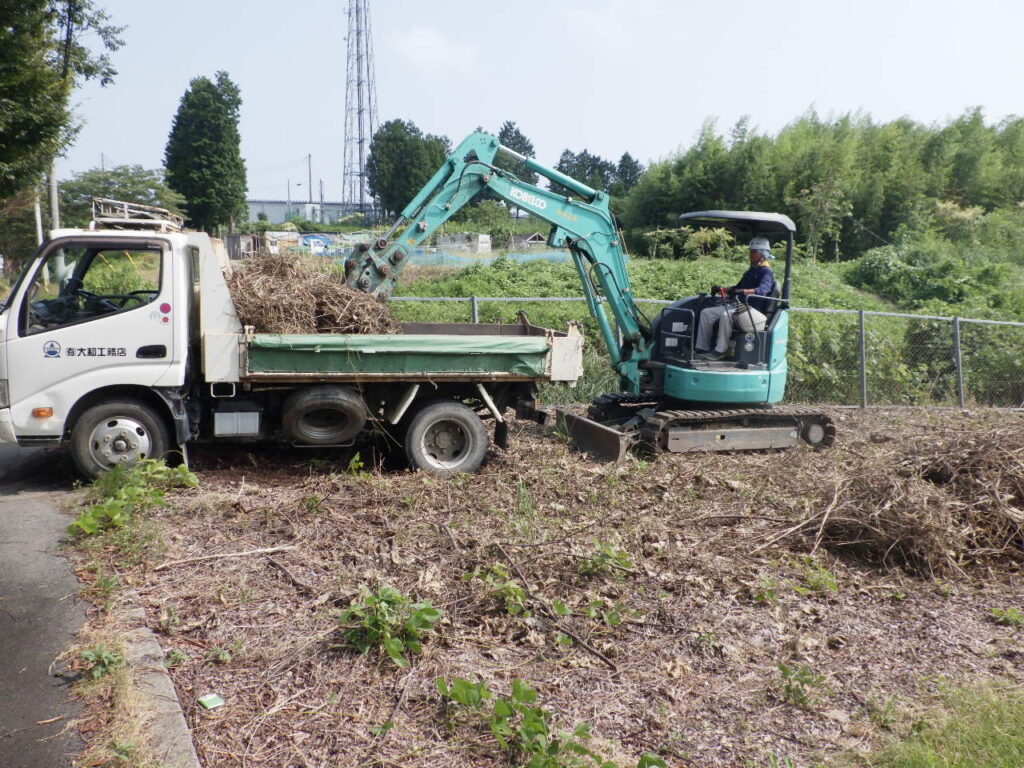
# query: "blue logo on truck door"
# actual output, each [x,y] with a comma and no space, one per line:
[51,349]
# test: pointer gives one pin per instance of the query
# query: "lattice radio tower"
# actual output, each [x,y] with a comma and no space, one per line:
[360,106]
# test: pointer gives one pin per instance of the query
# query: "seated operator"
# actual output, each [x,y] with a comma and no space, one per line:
[756,281]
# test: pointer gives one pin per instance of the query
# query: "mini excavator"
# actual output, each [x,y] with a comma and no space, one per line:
[671,399]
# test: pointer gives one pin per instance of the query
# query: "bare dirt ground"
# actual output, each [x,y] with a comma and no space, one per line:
[720,567]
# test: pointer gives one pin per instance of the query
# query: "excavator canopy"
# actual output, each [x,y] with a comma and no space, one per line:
[743,223]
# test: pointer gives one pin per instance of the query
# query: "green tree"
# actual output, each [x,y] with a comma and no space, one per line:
[35,122]
[510,136]
[402,159]
[41,58]
[203,156]
[131,183]
[17,231]
[627,173]
[592,170]
[821,210]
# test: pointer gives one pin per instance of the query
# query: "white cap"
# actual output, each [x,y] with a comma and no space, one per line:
[761,244]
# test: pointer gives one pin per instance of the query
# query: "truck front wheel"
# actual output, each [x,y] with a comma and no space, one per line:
[446,438]
[117,433]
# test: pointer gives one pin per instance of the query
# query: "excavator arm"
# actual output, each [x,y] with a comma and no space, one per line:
[585,226]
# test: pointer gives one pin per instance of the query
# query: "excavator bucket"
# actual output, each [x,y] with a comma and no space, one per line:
[600,441]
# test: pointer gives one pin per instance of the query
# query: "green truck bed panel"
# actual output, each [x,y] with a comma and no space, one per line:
[400,355]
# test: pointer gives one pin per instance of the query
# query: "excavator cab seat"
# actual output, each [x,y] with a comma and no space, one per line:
[752,346]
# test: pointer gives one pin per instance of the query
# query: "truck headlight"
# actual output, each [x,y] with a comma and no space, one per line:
[5,400]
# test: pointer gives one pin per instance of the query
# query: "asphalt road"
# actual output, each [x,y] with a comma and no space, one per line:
[39,611]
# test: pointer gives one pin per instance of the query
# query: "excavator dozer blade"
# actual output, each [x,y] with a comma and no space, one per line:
[600,441]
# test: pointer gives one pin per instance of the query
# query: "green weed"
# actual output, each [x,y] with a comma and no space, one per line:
[389,620]
[524,501]
[126,491]
[174,658]
[219,655]
[522,728]
[503,588]
[99,661]
[767,591]
[816,578]
[606,559]
[797,685]
[312,505]
[1008,617]
[883,714]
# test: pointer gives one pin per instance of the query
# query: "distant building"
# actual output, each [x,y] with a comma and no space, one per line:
[529,242]
[277,211]
[468,242]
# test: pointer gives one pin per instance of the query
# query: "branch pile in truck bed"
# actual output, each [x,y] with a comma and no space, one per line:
[292,293]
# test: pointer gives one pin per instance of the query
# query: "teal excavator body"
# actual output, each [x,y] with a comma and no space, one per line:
[658,369]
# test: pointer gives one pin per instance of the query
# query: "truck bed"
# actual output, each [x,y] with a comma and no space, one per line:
[421,352]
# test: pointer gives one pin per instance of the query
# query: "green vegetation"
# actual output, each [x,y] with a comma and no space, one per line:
[503,589]
[42,58]
[127,491]
[522,729]
[1008,617]
[606,560]
[389,620]
[132,183]
[204,136]
[851,184]
[99,661]
[979,727]
[799,686]
[402,159]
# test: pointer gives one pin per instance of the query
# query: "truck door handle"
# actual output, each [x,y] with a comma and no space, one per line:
[152,351]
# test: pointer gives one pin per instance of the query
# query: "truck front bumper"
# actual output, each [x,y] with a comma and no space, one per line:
[6,427]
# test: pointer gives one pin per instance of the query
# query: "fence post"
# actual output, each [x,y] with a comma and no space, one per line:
[863,362]
[958,362]
[474,308]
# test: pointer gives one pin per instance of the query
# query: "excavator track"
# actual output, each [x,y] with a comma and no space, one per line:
[736,429]
[614,423]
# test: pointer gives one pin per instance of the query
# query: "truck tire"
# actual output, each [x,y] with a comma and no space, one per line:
[446,438]
[325,415]
[114,433]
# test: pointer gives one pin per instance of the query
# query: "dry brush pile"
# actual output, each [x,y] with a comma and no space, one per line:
[931,504]
[292,293]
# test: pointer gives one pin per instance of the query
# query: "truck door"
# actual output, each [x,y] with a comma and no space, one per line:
[94,313]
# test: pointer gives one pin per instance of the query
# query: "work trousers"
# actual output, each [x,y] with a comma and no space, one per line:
[725,316]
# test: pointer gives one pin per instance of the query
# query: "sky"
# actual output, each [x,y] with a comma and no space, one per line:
[609,76]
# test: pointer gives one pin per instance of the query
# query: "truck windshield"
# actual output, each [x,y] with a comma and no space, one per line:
[78,283]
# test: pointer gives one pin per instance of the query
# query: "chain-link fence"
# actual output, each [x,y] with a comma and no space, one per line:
[838,356]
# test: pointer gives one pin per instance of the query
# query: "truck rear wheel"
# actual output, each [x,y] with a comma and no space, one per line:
[324,415]
[446,438]
[116,433]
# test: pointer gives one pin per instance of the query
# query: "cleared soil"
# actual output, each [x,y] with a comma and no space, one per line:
[720,567]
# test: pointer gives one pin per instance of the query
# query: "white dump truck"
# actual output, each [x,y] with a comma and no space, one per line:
[121,341]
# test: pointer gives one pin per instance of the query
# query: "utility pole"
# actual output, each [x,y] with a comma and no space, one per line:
[51,184]
[39,220]
[309,168]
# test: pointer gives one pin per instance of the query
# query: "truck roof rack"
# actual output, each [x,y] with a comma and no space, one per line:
[118,214]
